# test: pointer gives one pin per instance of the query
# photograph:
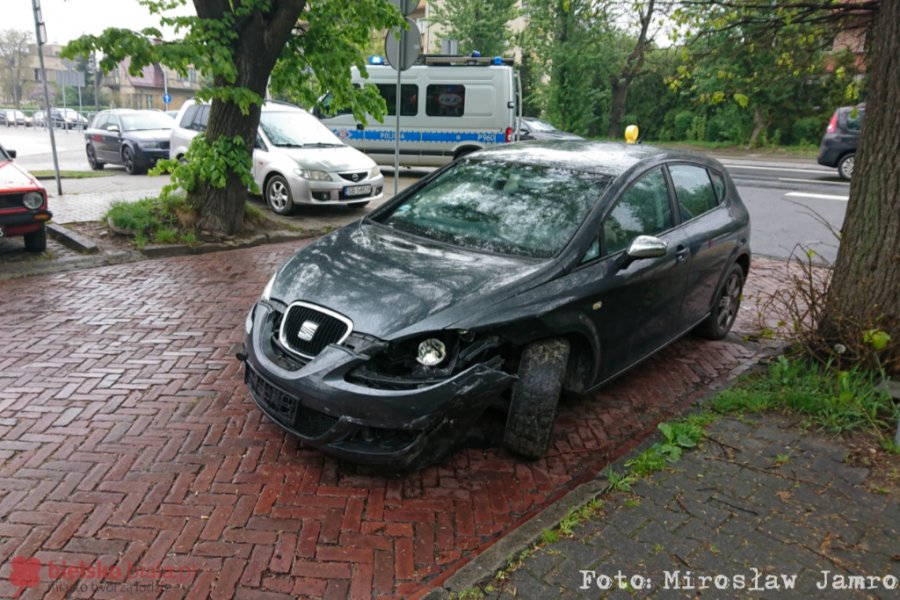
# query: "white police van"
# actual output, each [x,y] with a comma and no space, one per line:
[449,106]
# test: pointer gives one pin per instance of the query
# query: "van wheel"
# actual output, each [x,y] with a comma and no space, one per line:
[845,166]
[535,397]
[36,241]
[278,195]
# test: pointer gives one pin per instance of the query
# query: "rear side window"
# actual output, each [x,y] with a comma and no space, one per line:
[718,184]
[644,209]
[693,189]
[854,118]
[409,98]
[445,100]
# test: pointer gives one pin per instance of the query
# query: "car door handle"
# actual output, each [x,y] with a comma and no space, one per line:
[681,253]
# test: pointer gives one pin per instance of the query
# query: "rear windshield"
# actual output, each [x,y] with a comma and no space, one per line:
[502,207]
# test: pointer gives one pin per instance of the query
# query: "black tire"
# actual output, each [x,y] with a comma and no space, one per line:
[131,167]
[845,166]
[36,241]
[725,307]
[96,165]
[278,195]
[535,396]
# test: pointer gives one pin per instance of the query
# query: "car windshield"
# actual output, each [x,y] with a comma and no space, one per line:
[538,125]
[502,207]
[140,121]
[296,129]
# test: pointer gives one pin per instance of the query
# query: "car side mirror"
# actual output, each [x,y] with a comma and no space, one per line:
[643,246]
[12,153]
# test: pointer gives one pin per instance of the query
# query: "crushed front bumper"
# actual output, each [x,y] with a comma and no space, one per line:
[395,428]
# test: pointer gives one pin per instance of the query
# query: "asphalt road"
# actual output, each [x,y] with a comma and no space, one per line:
[792,202]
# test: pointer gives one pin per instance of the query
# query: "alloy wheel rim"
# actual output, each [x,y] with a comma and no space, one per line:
[728,304]
[278,195]
[126,159]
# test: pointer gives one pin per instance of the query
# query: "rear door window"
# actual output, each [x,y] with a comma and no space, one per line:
[445,100]
[693,189]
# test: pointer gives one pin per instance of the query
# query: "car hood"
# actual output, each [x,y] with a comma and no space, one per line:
[393,285]
[13,177]
[148,135]
[329,158]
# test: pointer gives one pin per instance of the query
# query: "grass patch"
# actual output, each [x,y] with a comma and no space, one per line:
[165,219]
[48,174]
[834,401]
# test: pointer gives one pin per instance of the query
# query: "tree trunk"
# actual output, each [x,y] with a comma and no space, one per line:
[260,41]
[618,98]
[759,124]
[865,288]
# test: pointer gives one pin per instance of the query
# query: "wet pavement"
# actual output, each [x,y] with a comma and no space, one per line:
[127,437]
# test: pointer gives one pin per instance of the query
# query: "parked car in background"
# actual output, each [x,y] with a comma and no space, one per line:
[135,139]
[15,118]
[68,118]
[536,267]
[23,204]
[297,160]
[838,147]
[39,118]
[531,128]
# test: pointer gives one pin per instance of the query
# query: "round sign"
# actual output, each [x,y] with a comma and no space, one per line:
[167,99]
[402,46]
[405,6]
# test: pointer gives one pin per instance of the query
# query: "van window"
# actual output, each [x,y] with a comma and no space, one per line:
[409,98]
[445,100]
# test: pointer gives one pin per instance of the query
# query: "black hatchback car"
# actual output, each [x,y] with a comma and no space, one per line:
[505,277]
[838,147]
[135,139]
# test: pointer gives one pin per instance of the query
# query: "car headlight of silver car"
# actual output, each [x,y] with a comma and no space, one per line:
[33,200]
[313,175]
[375,171]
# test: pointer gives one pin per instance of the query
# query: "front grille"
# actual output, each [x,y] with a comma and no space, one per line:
[11,201]
[164,145]
[319,327]
[287,409]
[354,176]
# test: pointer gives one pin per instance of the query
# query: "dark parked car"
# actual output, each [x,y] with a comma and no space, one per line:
[23,204]
[531,128]
[532,268]
[135,139]
[838,148]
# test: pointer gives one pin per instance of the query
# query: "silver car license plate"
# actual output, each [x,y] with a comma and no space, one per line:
[352,191]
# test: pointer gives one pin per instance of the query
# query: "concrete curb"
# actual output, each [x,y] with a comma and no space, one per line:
[72,240]
[168,250]
[525,536]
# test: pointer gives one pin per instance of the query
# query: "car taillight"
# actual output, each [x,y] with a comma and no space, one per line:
[832,124]
[509,135]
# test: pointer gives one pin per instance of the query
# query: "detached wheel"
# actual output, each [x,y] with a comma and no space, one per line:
[278,195]
[845,166]
[96,165]
[535,396]
[725,308]
[36,241]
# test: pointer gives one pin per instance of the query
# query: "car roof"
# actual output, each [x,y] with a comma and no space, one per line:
[605,158]
[268,106]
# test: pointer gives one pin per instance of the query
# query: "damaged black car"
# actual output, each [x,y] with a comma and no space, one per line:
[505,278]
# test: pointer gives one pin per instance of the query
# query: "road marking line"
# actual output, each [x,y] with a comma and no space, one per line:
[751,167]
[815,181]
[816,196]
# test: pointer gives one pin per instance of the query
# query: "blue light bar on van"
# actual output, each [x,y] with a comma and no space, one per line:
[374,59]
[497,60]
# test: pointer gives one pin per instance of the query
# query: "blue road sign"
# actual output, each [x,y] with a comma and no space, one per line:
[167,99]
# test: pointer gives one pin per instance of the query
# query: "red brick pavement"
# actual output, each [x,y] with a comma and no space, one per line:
[128,438]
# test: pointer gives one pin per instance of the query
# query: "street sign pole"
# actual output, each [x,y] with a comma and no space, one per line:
[397,121]
[41,35]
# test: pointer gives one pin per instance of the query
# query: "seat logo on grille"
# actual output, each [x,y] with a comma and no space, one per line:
[308,331]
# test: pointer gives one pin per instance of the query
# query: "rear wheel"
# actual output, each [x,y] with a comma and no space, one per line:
[535,397]
[96,165]
[36,241]
[278,195]
[845,166]
[724,311]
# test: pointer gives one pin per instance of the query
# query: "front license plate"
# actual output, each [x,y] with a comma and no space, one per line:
[351,191]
